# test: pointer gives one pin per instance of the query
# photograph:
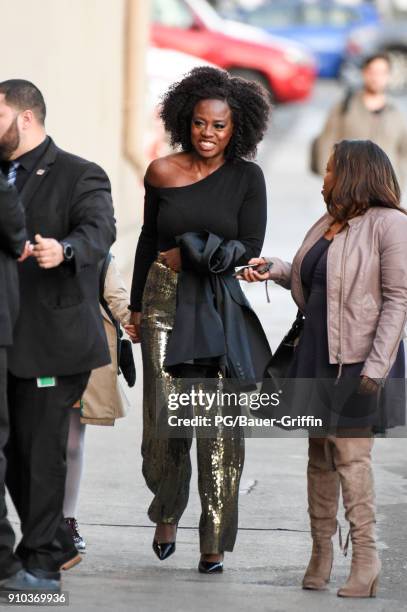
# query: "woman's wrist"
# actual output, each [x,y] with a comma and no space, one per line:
[265,267]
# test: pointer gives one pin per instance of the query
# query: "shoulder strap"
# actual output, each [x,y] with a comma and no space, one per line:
[105,306]
[102,280]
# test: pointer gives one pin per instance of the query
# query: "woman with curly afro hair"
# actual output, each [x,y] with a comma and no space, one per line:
[207,186]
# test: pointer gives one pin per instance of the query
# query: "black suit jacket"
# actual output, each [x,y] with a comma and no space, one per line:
[59,331]
[12,240]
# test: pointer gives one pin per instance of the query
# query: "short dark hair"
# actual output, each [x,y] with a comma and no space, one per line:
[364,177]
[247,100]
[25,96]
[375,56]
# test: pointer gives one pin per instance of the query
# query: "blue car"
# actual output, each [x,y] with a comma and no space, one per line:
[322,25]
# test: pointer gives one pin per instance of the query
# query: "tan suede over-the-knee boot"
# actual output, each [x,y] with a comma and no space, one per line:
[352,457]
[323,496]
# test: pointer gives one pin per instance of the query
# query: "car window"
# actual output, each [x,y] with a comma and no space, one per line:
[172,13]
[333,16]
[206,14]
[274,16]
[341,16]
[314,15]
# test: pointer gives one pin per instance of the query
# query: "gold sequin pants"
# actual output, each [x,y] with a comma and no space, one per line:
[166,460]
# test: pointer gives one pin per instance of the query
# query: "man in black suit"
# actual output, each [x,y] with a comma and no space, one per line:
[59,335]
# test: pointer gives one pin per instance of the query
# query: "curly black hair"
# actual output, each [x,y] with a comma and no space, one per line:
[248,101]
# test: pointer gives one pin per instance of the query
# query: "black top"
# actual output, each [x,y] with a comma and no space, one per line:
[231,203]
[26,163]
[313,267]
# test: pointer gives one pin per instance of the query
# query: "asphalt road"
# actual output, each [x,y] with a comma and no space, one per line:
[120,571]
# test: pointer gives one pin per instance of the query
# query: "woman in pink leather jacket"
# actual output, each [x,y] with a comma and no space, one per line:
[349,278]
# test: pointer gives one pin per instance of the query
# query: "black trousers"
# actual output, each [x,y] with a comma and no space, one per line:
[36,466]
[9,563]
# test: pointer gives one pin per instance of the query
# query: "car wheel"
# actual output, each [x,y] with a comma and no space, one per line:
[398,59]
[252,75]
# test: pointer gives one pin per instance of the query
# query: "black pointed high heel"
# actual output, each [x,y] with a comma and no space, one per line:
[210,567]
[163,550]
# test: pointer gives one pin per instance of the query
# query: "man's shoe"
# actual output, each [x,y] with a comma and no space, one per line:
[33,580]
[77,538]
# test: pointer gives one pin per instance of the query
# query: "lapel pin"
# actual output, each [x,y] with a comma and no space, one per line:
[40,171]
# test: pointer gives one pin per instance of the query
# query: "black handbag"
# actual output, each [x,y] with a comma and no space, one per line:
[278,366]
[125,358]
[126,361]
[281,360]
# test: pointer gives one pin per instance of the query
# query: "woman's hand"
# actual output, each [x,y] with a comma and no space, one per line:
[368,386]
[172,259]
[133,329]
[250,275]
[131,332]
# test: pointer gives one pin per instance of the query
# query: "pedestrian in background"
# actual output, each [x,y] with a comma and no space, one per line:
[207,187]
[12,242]
[367,114]
[59,335]
[352,335]
[104,400]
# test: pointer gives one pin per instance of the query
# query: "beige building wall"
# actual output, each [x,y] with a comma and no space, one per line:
[87,57]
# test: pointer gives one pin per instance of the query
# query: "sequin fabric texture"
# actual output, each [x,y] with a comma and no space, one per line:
[166,460]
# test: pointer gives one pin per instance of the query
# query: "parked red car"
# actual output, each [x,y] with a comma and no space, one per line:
[193,26]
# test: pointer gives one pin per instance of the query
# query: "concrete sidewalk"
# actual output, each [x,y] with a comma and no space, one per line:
[121,572]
